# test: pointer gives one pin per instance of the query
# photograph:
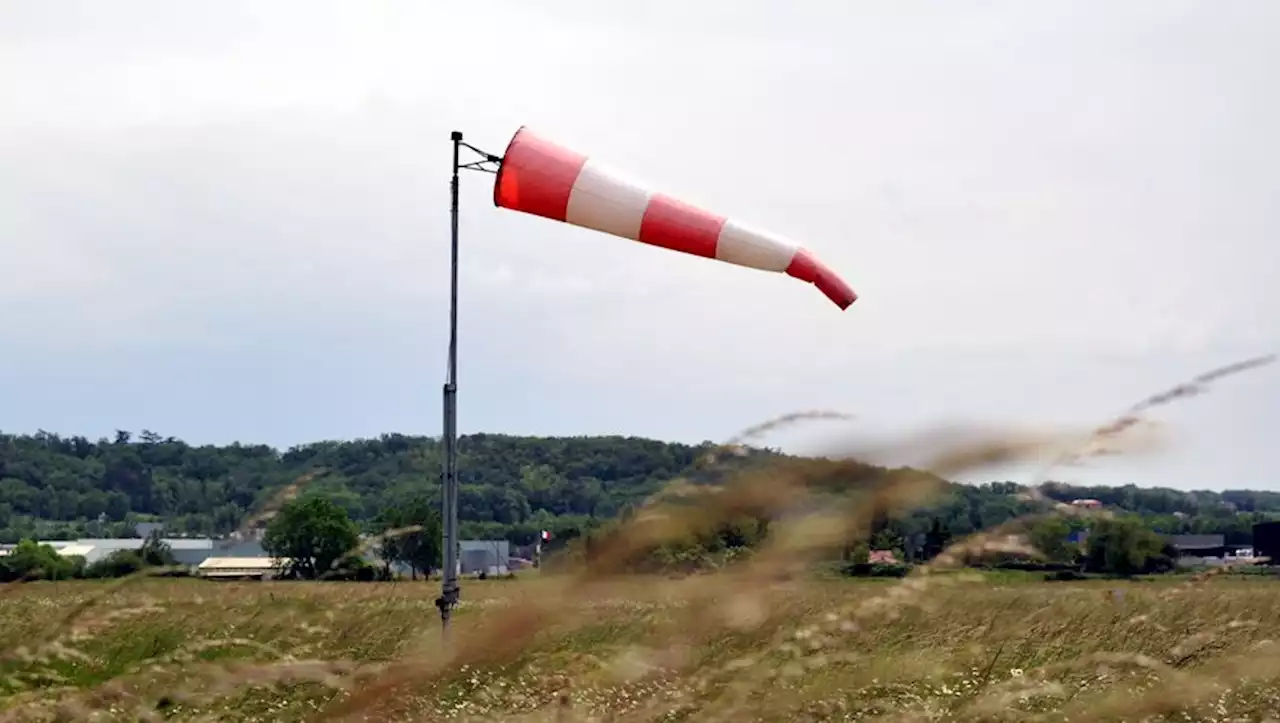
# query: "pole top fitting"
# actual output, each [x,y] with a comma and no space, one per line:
[456,136]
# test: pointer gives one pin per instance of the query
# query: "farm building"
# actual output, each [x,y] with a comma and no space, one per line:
[239,568]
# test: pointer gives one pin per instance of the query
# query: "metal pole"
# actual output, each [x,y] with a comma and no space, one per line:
[449,483]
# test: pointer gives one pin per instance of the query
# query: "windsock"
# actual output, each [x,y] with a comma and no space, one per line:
[544,179]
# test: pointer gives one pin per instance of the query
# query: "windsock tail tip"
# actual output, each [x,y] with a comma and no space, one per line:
[807,268]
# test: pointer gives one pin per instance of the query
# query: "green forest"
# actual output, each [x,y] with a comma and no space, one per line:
[55,487]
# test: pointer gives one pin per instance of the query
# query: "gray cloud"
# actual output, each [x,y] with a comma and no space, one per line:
[229,220]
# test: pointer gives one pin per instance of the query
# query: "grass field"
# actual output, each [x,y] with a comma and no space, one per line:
[946,647]
[764,638]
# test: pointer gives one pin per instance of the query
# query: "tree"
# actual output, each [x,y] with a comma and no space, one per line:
[120,563]
[887,539]
[32,561]
[1123,546]
[1051,536]
[312,533]
[411,536]
[155,552]
[936,539]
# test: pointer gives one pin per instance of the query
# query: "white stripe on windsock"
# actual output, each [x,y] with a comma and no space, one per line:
[746,246]
[604,200]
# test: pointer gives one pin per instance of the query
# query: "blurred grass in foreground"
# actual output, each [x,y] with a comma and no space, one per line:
[983,648]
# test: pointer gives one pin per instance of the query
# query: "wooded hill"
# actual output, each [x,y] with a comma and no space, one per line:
[61,487]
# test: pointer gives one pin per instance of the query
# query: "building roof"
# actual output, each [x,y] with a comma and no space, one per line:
[239,563]
[142,529]
[487,545]
[135,543]
[1197,541]
[107,545]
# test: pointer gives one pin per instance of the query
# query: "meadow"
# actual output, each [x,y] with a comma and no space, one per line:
[763,637]
[957,646]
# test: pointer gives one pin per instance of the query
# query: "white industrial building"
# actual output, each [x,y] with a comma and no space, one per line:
[186,550]
[245,558]
[488,556]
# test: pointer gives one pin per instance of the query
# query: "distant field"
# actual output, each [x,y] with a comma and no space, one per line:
[941,648]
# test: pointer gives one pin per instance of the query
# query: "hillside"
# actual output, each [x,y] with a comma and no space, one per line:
[53,486]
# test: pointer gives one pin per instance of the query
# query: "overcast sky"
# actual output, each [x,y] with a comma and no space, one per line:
[229,220]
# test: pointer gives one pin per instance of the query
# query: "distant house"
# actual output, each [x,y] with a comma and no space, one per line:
[1088,504]
[882,557]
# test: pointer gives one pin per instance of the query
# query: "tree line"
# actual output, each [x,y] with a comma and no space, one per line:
[54,487]
[512,487]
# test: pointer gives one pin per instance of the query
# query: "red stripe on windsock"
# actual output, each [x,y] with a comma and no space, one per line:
[536,176]
[807,268]
[678,226]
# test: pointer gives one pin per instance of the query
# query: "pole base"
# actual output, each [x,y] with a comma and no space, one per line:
[447,601]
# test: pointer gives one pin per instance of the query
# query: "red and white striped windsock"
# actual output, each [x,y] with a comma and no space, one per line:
[545,179]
